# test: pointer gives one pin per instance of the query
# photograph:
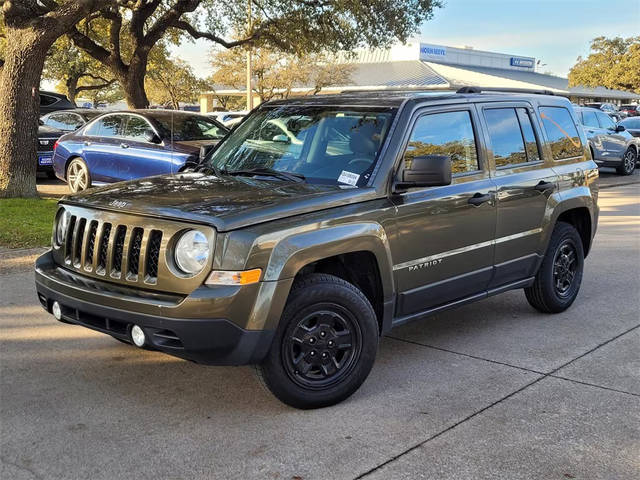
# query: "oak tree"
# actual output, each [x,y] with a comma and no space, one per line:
[30,27]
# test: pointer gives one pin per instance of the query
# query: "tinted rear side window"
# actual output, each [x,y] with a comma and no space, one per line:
[561,132]
[589,119]
[106,127]
[506,137]
[449,133]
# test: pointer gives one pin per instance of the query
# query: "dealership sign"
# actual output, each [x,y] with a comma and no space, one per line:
[432,51]
[521,62]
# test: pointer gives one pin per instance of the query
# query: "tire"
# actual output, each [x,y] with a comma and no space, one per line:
[558,280]
[325,344]
[628,164]
[78,176]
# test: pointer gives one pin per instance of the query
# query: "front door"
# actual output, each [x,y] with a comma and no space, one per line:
[444,246]
[615,143]
[138,157]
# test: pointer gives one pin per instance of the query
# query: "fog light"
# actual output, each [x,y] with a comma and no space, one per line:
[56,310]
[137,335]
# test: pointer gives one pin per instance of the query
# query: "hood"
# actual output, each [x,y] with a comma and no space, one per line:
[49,132]
[225,203]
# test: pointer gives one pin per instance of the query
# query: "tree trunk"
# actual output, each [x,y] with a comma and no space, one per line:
[72,88]
[19,107]
[133,83]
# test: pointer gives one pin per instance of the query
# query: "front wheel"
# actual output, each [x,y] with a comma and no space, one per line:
[628,164]
[78,177]
[558,280]
[325,345]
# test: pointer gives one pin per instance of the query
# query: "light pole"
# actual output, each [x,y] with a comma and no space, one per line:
[249,92]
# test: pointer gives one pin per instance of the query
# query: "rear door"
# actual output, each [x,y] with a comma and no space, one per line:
[102,147]
[524,182]
[614,143]
[139,157]
[594,132]
[444,247]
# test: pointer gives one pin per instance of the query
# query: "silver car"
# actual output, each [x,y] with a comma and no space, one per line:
[610,144]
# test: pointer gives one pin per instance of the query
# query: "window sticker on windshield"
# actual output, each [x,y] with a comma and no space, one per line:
[348,177]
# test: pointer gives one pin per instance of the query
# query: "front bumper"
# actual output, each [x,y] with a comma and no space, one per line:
[212,341]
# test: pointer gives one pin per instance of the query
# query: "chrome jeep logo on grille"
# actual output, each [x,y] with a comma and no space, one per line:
[119,203]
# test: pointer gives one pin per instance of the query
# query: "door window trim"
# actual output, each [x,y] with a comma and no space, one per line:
[531,114]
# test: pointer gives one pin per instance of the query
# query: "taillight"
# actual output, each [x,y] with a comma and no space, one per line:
[55,145]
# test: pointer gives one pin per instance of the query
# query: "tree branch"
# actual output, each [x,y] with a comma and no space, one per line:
[83,88]
[191,30]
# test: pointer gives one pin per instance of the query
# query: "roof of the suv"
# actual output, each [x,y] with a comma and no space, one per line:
[395,98]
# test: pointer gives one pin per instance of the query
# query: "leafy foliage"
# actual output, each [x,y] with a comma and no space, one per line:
[613,63]
[277,73]
[171,81]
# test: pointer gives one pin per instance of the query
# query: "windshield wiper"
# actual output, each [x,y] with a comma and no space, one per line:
[292,177]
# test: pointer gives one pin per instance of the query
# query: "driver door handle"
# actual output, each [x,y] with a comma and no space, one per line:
[479,198]
[543,186]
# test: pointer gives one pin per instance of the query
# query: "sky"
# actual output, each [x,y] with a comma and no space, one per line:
[554,31]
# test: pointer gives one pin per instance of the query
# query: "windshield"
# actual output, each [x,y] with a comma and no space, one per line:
[329,145]
[190,127]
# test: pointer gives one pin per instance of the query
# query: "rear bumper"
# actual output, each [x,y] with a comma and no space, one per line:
[212,341]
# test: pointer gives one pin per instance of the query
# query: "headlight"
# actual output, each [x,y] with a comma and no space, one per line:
[192,252]
[61,227]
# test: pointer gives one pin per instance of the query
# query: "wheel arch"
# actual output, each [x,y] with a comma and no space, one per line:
[578,213]
[358,253]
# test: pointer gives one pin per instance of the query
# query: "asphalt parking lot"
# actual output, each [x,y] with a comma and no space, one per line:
[490,390]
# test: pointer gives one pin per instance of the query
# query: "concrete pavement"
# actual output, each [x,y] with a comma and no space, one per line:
[489,390]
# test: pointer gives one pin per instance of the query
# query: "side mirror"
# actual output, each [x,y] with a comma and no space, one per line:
[151,137]
[426,171]
[281,139]
[620,128]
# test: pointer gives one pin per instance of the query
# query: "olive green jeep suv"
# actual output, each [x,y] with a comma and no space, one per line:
[320,223]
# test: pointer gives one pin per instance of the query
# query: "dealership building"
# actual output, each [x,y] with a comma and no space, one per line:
[423,66]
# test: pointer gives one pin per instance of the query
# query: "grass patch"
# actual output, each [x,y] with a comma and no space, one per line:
[26,222]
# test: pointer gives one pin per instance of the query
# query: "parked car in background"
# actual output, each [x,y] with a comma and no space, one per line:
[70,120]
[133,144]
[610,144]
[630,110]
[47,138]
[229,119]
[52,101]
[608,108]
[632,125]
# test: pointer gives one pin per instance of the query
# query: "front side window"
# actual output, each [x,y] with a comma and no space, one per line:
[447,133]
[137,128]
[606,121]
[189,127]
[561,132]
[507,140]
[323,144]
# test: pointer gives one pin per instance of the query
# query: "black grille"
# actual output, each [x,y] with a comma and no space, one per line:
[153,255]
[104,246]
[69,239]
[134,251]
[93,226]
[118,249]
[77,247]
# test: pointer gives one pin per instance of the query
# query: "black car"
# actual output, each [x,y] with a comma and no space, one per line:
[47,138]
[52,101]
[70,120]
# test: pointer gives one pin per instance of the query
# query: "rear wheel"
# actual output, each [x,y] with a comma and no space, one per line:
[558,280]
[78,177]
[628,164]
[325,345]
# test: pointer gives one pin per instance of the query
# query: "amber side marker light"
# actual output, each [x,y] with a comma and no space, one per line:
[224,277]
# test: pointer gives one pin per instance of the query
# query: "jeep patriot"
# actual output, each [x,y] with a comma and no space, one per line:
[322,222]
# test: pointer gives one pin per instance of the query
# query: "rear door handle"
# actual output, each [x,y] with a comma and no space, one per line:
[543,186]
[124,145]
[86,142]
[479,198]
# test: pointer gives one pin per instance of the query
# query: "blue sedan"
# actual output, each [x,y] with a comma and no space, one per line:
[133,144]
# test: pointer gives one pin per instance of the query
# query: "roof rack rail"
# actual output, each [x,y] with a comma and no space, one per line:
[506,89]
